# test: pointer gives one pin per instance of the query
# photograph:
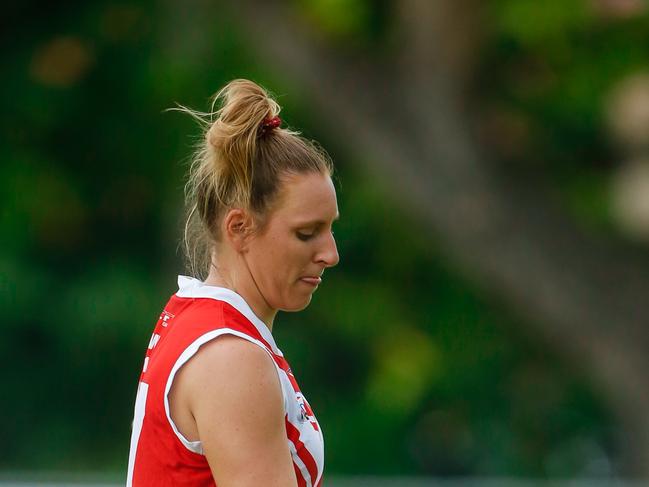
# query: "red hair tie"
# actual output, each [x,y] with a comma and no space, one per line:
[271,123]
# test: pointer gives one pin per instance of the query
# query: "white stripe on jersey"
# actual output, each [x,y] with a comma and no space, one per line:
[138,418]
[300,464]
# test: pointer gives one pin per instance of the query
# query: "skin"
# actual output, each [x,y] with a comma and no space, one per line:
[237,412]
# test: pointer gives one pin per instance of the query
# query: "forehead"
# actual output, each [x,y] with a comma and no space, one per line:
[307,198]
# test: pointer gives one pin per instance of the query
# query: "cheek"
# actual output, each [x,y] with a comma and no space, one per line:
[276,263]
[290,264]
[280,262]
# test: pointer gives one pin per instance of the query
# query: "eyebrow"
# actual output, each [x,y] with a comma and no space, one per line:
[318,223]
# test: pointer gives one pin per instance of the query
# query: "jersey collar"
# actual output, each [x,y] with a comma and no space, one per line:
[190,287]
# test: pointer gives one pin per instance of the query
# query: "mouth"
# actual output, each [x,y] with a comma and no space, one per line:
[312,280]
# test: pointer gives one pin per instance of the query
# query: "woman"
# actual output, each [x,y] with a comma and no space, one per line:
[217,403]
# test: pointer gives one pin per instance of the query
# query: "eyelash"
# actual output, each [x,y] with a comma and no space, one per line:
[304,237]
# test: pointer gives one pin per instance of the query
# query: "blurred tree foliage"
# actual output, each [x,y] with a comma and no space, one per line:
[409,368]
[546,77]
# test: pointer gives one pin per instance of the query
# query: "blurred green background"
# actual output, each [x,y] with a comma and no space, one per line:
[414,364]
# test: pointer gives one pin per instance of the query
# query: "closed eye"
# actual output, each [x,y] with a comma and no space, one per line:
[304,236]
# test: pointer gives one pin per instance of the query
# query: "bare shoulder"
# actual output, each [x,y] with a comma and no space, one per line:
[235,397]
[223,378]
[228,348]
[232,365]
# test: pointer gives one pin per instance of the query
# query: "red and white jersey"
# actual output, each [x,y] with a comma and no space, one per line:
[160,455]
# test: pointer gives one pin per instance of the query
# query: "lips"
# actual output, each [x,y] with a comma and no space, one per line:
[312,280]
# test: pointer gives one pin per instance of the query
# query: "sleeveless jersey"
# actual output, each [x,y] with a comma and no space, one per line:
[160,455]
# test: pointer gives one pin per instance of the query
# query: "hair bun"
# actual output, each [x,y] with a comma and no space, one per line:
[243,107]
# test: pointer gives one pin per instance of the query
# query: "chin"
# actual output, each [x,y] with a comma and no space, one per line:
[297,305]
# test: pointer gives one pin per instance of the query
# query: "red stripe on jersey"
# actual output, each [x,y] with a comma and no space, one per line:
[298,474]
[302,451]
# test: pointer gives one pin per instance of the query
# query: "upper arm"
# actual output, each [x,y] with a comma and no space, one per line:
[234,394]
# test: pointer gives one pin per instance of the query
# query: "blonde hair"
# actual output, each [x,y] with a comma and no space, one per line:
[239,164]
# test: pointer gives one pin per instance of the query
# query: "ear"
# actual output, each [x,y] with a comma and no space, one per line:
[237,227]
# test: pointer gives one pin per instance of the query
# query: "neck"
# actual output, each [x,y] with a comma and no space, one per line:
[244,287]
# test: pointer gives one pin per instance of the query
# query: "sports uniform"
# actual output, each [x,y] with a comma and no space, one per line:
[160,455]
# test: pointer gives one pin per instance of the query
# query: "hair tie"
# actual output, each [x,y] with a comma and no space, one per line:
[271,123]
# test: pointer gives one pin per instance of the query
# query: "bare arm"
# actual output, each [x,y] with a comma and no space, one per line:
[232,391]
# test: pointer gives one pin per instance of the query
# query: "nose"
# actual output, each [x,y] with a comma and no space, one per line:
[328,254]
